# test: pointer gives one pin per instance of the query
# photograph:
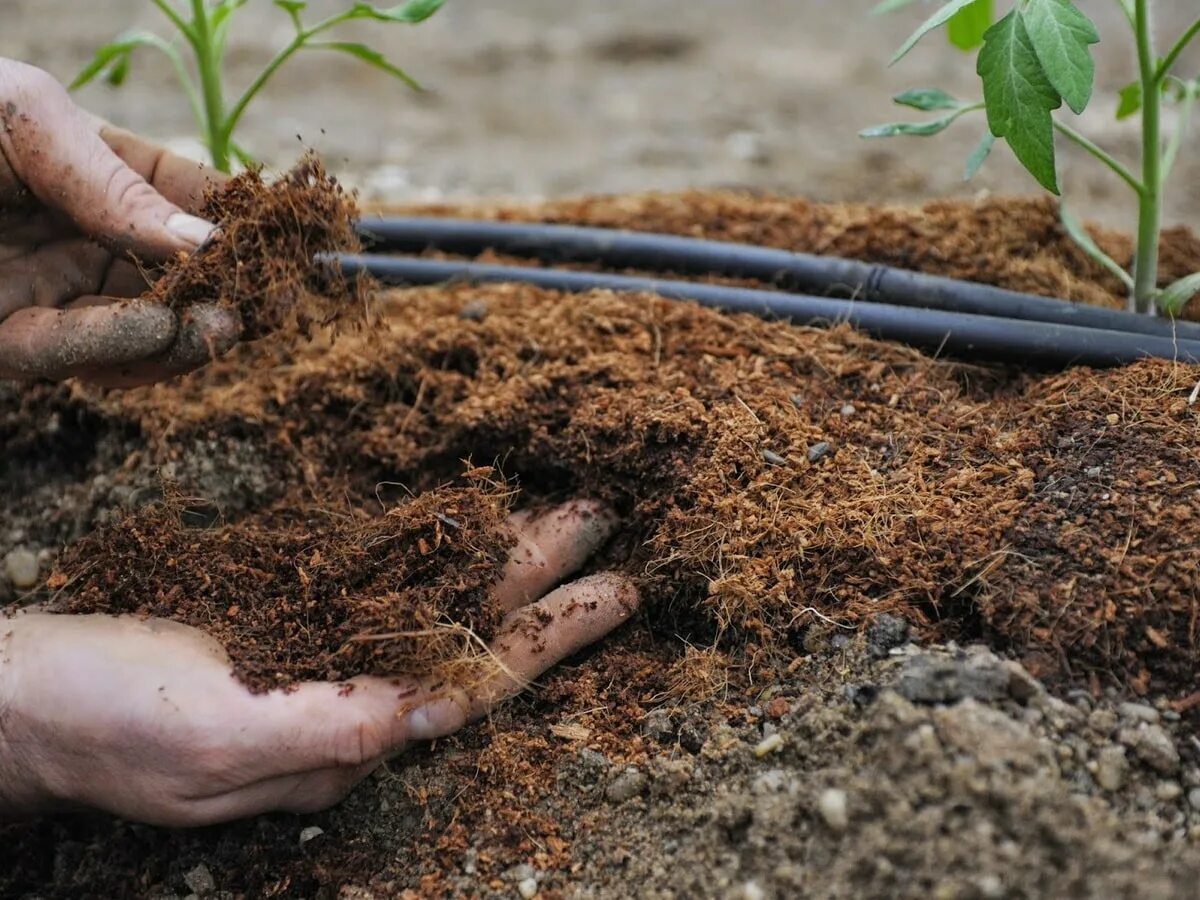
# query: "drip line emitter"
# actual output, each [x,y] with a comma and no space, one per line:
[963,319]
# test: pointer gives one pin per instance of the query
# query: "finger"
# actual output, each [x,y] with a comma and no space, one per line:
[38,342]
[531,640]
[52,274]
[124,279]
[551,547]
[302,792]
[206,332]
[182,181]
[56,150]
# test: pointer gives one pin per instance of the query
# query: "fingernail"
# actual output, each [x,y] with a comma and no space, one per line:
[190,229]
[434,720]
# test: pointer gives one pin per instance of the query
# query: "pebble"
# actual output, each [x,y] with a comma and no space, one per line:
[930,679]
[1168,791]
[1111,768]
[1194,798]
[1139,712]
[769,744]
[528,888]
[752,891]
[21,566]
[773,458]
[1155,748]
[626,786]
[200,880]
[474,311]
[848,410]
[818,451]
[886,633]
[658,725]
[309,833]
[832,807]
[1103,721]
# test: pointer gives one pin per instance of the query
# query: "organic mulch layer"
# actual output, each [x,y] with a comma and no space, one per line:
[781,489]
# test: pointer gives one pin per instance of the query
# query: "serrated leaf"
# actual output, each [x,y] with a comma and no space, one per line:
[1061,37]
[1175,297]
[928,100]
[967,27]
[1088,245]
[1130,100]
[979,155]
[912,129]
[1019,97]
[369,56]
[411,13]
[115,55]
[937,20]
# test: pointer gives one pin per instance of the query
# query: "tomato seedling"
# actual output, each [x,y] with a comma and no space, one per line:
[203,29]
[1031,62]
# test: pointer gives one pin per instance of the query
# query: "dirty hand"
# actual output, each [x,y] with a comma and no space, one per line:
[144,719]
[77,196]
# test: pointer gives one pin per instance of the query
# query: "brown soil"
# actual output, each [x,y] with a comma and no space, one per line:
[260,261]
[780,487]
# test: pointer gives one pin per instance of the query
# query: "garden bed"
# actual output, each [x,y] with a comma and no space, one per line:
[782,488]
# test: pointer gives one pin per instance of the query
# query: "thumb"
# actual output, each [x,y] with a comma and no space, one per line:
[56,150]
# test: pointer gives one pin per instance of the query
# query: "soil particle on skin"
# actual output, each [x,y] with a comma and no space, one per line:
[1050,517]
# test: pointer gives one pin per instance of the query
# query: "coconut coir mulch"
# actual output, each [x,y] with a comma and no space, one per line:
[769,477]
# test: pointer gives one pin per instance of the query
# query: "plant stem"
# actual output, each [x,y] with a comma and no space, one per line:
[1145,264]
[1173,56]
[211,88]
[1101,154]
[1185,116]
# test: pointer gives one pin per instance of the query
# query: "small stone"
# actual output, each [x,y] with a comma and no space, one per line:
[751,891]
[778,707]
[886,632]
[1111,768]
[1103,721]
[528,888]
[818,451]
[200,880]
[21,566]
[309,833]
[1021,685]
[931,679]
[773,458]
[1168,791]
[848,410]
[1139,712]
[1094,471]
[658,725]
[1194,798]
[1112,419]
[769,744]
[626,786]
[1156,749]
[519,872]
[832,807]
[593,760]
[474,311]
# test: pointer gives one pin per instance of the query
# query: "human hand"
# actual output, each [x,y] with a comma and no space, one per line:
[77,196]
[144,719]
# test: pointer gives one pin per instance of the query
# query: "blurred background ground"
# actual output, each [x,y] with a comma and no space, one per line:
[542,98]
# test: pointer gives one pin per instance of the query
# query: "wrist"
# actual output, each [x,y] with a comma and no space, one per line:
[21,790]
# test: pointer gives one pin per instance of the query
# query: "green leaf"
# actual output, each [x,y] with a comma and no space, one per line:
[915,129]
[967,26]
[1175,297]
[978,155]
[937,20]
[1130,100]
[1019,97]
[112,60]
[1061,36]
[1088,245]
[928,99]
[369,56]
[412,12]
[887,6]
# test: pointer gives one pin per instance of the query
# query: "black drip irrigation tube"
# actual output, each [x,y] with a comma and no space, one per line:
[941,314]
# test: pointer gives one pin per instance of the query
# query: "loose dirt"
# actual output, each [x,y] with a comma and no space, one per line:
[781,489]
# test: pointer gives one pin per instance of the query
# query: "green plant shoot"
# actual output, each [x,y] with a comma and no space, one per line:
[197,55]
[1035,60]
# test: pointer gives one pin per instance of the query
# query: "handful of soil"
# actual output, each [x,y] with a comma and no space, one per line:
[261,261]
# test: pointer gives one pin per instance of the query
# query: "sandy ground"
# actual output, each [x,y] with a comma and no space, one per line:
[553,97]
